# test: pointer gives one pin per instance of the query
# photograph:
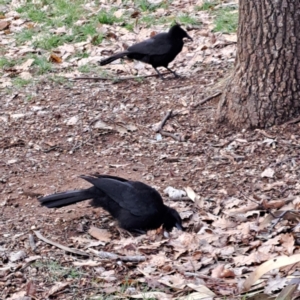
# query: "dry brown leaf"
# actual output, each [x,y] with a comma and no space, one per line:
[176,281]
[88,263]
[274,263]
[25,75]
[276,204]
[30,289]
[227,274]
[202,293]
[193,196]
[100,234]
[4,25]
[217,271]
[253,258]
[17,296]
[288,242]
[269,172]
[59,286]
[55,58]
[25,65]
[152,295]
[287,292]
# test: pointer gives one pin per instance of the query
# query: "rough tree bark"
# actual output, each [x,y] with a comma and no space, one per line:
[264,89]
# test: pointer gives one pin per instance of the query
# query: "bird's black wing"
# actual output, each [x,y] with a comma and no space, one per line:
[107,176]
[137,197]
[160,44]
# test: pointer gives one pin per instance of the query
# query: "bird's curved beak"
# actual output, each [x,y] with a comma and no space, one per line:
[178,226]
[187,36]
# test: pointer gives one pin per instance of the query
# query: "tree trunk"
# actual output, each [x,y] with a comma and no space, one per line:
[265,87]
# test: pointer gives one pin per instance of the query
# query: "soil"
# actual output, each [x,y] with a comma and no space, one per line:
[52,133]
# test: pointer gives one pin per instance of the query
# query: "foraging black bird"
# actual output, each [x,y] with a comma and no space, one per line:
[137,206]
[157,51]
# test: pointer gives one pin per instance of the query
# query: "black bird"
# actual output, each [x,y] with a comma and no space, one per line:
[157,51]
[137,206]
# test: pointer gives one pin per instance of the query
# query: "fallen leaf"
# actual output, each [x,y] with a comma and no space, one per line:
[100,234]
[274,263]
[59,286]
[4,25]
[268,173]
[152,295]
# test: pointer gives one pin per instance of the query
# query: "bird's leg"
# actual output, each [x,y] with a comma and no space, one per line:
[176,75]
[159,74]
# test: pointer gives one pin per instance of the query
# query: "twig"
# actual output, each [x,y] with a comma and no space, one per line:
[113,256]
[257,203]
[164,120]
[265,134]
[32,243]
[67,249]
[176,137]
[190,274]
[180,199]
[207,99]
[117,79]
[293,121]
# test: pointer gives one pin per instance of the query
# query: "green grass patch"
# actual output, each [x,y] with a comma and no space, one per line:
[37,16]
[53,12]
[49,41]
[146,6]
[85,68]
[108,17]
[226,21]
[208,5]
[147,20]
[41,64]
[55,271]
[129,26]
[59,79]
[150,20]
[186,19]
[9,63]
[81,55]
[81,33]
[24,36]
[20,82]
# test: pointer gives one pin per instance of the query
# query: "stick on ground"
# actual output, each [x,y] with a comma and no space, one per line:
[67,249]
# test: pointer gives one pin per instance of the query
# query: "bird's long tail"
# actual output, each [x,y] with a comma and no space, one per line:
[112,58]
[65,198]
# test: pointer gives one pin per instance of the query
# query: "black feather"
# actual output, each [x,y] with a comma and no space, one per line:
[137,206]
[157,51]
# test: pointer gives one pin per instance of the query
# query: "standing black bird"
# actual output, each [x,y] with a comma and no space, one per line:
[157,51]
[137,206]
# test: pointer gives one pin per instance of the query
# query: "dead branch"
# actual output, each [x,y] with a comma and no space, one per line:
[265,134]
[293,121]
[65,248]
[32,242]
[207,99]
[113,256]
[163,121]
[117,79]
[176,137]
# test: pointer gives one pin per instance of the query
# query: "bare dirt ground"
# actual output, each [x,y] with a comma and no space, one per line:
[84,127]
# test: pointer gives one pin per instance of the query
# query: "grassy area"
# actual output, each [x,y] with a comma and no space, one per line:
[56,271]
[52,23]
[81,21]
[226,20]
[208,5]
